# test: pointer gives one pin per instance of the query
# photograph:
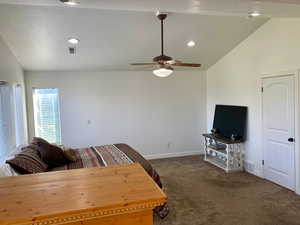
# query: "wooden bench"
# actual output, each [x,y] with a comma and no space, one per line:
[114,195]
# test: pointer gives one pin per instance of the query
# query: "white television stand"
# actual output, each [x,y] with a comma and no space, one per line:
[224,153]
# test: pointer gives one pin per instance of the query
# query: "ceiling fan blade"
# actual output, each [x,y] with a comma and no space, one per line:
[186,64]
[172,62]
[143,64]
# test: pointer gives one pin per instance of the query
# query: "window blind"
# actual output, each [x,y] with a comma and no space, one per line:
[46,114]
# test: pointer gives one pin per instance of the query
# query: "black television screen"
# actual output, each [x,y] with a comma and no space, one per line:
[230,120]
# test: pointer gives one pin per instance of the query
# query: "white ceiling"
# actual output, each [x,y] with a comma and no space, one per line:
[270,8]
[111,39]
[114,33]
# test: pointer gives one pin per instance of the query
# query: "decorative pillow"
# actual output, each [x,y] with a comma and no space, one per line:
[70,154]
[33,147]
[37,140]
[28,161]
[51,154]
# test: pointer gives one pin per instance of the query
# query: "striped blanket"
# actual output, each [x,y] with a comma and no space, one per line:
[105,155]
[108,155]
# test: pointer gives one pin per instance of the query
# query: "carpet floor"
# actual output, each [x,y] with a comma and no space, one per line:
[199,193]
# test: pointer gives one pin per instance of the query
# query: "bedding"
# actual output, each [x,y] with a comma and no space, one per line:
[27,161]
[108,155]
[51,154]
[6,170]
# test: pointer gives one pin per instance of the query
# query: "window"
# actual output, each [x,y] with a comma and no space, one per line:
[46,114]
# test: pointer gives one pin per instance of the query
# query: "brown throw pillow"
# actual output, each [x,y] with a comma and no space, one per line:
[52,155]
[70,154]
[32,146]
[37,140]
[27,162]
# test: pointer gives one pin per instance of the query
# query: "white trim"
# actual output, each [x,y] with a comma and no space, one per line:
[297,132]
[279,74]
[296,74]
[173,154]
[255,171]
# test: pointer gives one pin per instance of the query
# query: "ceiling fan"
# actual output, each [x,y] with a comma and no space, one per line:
[165,63]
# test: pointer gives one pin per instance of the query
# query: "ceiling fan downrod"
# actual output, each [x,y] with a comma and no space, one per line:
[162,57]
[162,17]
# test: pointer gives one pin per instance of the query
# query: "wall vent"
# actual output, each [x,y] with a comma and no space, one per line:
[72,50]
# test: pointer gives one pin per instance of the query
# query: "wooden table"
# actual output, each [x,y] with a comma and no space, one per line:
[114,195]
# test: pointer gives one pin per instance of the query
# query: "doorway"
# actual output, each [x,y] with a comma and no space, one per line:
[278,114]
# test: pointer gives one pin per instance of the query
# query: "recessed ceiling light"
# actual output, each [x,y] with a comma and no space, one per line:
[70,2]
[191,44]
[254,14]
[73,41]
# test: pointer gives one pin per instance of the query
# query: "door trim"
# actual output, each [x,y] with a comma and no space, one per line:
[296,74]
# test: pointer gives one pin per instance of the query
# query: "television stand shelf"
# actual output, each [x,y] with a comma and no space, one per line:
[224,153]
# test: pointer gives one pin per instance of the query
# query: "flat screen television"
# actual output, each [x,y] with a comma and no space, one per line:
[230,120]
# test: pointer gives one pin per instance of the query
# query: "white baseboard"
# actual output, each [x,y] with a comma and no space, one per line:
[255,173]
[297,191]
[172,154]
[252,168]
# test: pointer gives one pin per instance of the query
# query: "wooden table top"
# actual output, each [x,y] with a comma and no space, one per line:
[83,192]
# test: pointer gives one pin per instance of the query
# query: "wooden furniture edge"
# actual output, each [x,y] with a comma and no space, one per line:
[65,219]
[96,213]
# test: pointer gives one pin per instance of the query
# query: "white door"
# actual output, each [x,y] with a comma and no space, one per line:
[279,130]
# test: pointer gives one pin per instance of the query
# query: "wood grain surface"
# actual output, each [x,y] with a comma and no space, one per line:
[91,195]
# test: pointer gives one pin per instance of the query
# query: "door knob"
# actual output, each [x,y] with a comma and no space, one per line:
[291,140]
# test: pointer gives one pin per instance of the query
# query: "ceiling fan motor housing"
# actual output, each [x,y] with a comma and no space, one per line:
[162,58]
[162,16]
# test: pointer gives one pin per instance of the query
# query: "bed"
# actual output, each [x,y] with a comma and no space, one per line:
[95,156]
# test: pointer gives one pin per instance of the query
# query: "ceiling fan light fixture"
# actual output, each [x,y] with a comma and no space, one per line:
[73,41]
[163,72]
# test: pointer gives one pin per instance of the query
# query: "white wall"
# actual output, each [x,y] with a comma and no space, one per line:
[235,79]
[11,72]
[10,69]
[137,108]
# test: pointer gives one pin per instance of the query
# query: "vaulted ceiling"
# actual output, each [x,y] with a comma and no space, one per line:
[117,32]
